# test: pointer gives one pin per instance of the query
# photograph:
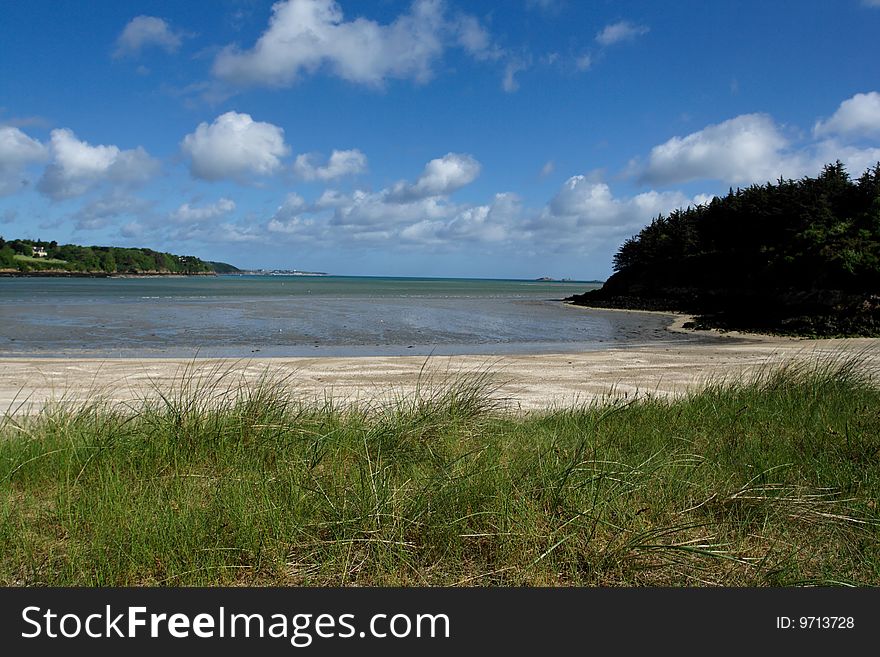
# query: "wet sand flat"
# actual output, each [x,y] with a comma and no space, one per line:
[524,382]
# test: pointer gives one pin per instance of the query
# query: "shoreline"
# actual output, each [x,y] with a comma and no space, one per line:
[535,382]
[95,274]
[679,319]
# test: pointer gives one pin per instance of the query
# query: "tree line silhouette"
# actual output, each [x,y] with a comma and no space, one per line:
[17,255]
[795,256]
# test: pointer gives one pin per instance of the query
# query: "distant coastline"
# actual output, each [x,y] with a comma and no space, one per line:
[278,272]
[49,273]
[41,258]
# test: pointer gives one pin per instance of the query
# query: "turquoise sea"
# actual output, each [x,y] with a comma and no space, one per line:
[244,316]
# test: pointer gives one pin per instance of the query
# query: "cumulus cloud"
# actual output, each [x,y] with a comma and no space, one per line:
[582,202]
[744,149]
[292,216]
[360,215]
[340,164]
[144,32]
[581,215]
[292,206]
[856,159]
[752,148]
[187,213]
[490,224]
[234,146]
[307,35]
[77,166]
[17,151]
[104,211]
[585,215]
[441,177]
[621,31]
[858,116]
[364,216]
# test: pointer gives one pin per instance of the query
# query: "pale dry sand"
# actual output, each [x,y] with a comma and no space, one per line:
[525,382]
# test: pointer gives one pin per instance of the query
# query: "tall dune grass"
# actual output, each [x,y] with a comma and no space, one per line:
[773,480]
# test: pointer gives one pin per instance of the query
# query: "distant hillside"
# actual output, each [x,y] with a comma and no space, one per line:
[223,267]
[799,257]
[41,257]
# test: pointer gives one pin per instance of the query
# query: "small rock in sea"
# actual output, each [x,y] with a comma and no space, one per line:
[410,347]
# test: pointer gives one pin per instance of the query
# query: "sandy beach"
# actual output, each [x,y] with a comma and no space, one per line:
[524,382]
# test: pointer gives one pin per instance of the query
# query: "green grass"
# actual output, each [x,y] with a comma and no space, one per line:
[773,481]
[38,261]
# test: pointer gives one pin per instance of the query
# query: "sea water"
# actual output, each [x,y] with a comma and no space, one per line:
[256,315]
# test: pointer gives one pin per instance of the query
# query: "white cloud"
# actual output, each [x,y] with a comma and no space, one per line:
[293,205]
[77,166]
[340,163]
[583,213]
[296,225]
[590,203]
[490,224]
[330,198]
[307,35]
[188,213]
[234,146]
[475,39]
[508,81]
[752,148]
[372,216]
[744,149]
[618,32]
[871,3]
[17,151]
[856,160]
[101,212]
[441,177]
[220,233]
[858,116]
[145,31]
[293,218]
[366,209]
[364,217]
[548,168]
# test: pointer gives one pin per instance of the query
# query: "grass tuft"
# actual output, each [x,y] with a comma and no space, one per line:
[219,480]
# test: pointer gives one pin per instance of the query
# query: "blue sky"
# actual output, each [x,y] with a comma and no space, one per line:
[436,137]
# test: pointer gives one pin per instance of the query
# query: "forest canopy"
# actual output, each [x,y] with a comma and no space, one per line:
[40,256]
[794,256]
